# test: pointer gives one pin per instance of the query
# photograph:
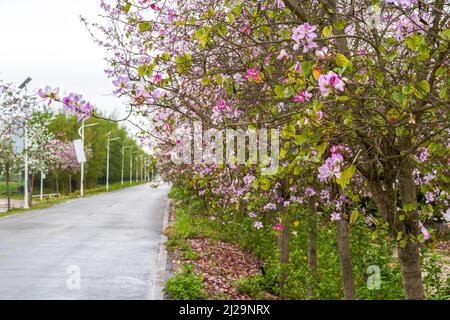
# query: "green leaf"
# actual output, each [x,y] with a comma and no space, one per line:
[127,7]
[423,88]
[354,216]
[165,56]
[327,31]
[342,98]
[399,235]
[306,67]
[346,176]
[341,60]
[407,89]
[144,70]
[145,26]
[285,34]
[279,91]
[399,97]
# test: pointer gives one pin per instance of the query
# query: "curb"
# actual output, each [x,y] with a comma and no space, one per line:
[160,275]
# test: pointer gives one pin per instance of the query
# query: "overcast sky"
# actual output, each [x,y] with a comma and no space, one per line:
[45,40]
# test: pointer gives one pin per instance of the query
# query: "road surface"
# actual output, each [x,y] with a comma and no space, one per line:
[107,246]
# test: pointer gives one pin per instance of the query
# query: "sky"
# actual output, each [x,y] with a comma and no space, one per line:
[45,40]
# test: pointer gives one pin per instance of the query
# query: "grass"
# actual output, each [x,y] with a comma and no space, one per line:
[54,201]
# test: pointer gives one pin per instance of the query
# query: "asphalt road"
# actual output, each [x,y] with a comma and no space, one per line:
[107,246]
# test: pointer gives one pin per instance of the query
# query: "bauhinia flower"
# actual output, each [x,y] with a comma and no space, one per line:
[426,234]
[278,227]
[121,83]
[302,96]
[402,3]
[49,93]
[304,36]
[253,74]
[282,54]
[335,216]
[319,115]
[330,81]
[258,225]
[331,167]
[157,78]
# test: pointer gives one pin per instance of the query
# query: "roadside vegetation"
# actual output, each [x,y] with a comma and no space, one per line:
[192,224]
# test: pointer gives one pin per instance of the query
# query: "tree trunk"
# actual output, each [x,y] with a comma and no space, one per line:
[345,258]
[312,245]
[284,253]
[409,254]
[8,191]
[70,183]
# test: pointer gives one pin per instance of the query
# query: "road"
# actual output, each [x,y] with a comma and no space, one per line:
[107,246]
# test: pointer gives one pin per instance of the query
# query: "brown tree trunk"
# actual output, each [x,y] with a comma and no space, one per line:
[409,254]
[345,258]
[312,245]
[284,253]
[70,183]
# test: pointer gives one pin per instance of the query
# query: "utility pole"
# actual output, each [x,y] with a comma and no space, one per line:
[107,158]
[81,133]
[25,143]
[123,162]
[41,197]
[131,166]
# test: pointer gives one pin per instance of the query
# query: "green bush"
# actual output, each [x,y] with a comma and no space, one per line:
[186,285]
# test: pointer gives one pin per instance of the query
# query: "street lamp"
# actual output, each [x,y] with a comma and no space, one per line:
[123,161]
[25,147]
[81,133]
[107,158]
[131,166]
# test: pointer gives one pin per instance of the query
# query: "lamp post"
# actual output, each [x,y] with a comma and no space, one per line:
[25,146]
[107,158]
[81,133]
[123,162]
[131,166]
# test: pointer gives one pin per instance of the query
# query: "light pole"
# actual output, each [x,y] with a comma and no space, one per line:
[25,146]
[123,161]
[81,133]
[131,166]
[137,168]
[41,197]
[107,158]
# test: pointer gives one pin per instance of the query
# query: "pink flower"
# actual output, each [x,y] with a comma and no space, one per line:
[282,54]
[319,115]
[424,231]
[298,67]
[331,167]
[302,96]
[154,6]
[309,192]
[245,29]
[335,216]
[257,225]
[304,36]
[157,78]
[121,83]
[221,105]
[49,93]
[278,227]
[328,81]
[253,74]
